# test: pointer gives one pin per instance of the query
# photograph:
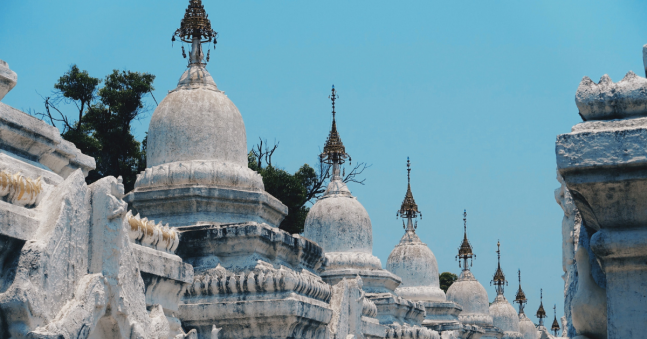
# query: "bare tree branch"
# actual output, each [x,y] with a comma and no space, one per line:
[264,153]
[352,176]
[51,116]
[319,186]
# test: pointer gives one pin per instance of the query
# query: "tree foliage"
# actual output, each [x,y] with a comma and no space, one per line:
[295,190]
[446,280]
[103,128]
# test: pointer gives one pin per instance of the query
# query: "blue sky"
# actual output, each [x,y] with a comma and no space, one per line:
[473,92]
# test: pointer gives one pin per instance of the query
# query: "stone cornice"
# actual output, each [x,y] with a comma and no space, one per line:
[261,281]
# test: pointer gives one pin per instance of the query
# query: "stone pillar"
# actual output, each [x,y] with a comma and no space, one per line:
[604,166]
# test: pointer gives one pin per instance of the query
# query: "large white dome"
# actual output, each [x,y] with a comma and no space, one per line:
[338,222]
[196,121]
[471,295]
[505,317]
[414,262]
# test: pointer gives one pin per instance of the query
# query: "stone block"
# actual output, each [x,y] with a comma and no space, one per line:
[392,309]
[240,246]
[442,315]
[191,205]
[34,140]
[261,303]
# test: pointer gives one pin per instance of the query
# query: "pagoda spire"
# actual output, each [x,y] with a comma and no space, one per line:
[334,152]
[195,29]
[555,326]
[541,313]
[465,250]
[520,298]
[499,278]
[409,208]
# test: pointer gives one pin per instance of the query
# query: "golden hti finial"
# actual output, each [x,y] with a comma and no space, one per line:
[334,151]
[520,298]
[541,313]
[409,208]
[499,278]
[195,29]
[465,250]
[555,326]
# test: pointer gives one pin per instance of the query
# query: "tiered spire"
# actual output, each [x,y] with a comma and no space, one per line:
[465,251]
[409,208]
[499,278]
[334,151]
[555,326]
[541,313]
[520,297]
[195,28]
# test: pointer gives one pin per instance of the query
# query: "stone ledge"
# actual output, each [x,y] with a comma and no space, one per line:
[239,245]
[187,206]
[478,319]
[37,141]
[17,222]
[588,149]
[442,316]
[421,293]
[375,281]
[262,282]
[392,309]
[271,318]
[372,329]
[28,168]
[162,264]
[605,171]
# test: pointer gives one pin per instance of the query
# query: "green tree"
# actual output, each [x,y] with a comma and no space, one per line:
[103,129]
[294,190]
[446,280]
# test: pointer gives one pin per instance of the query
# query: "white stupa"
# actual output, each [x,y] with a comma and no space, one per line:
[469,293]
[197,155]
[341,226]
[503,314]
[411,259]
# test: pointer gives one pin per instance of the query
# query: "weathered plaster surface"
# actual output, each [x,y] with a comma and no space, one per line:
[607,100]
[527,327]
[472,296]
[416,265]
[196,121]
[27,137]
[343,216]
[505,317]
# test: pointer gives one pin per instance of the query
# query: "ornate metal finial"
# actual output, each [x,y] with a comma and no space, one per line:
[499,278]
[555,326]
[465,250]
[541,313]
[520,298]
[409,208]
[334,151]
[195,28]
[408,172]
